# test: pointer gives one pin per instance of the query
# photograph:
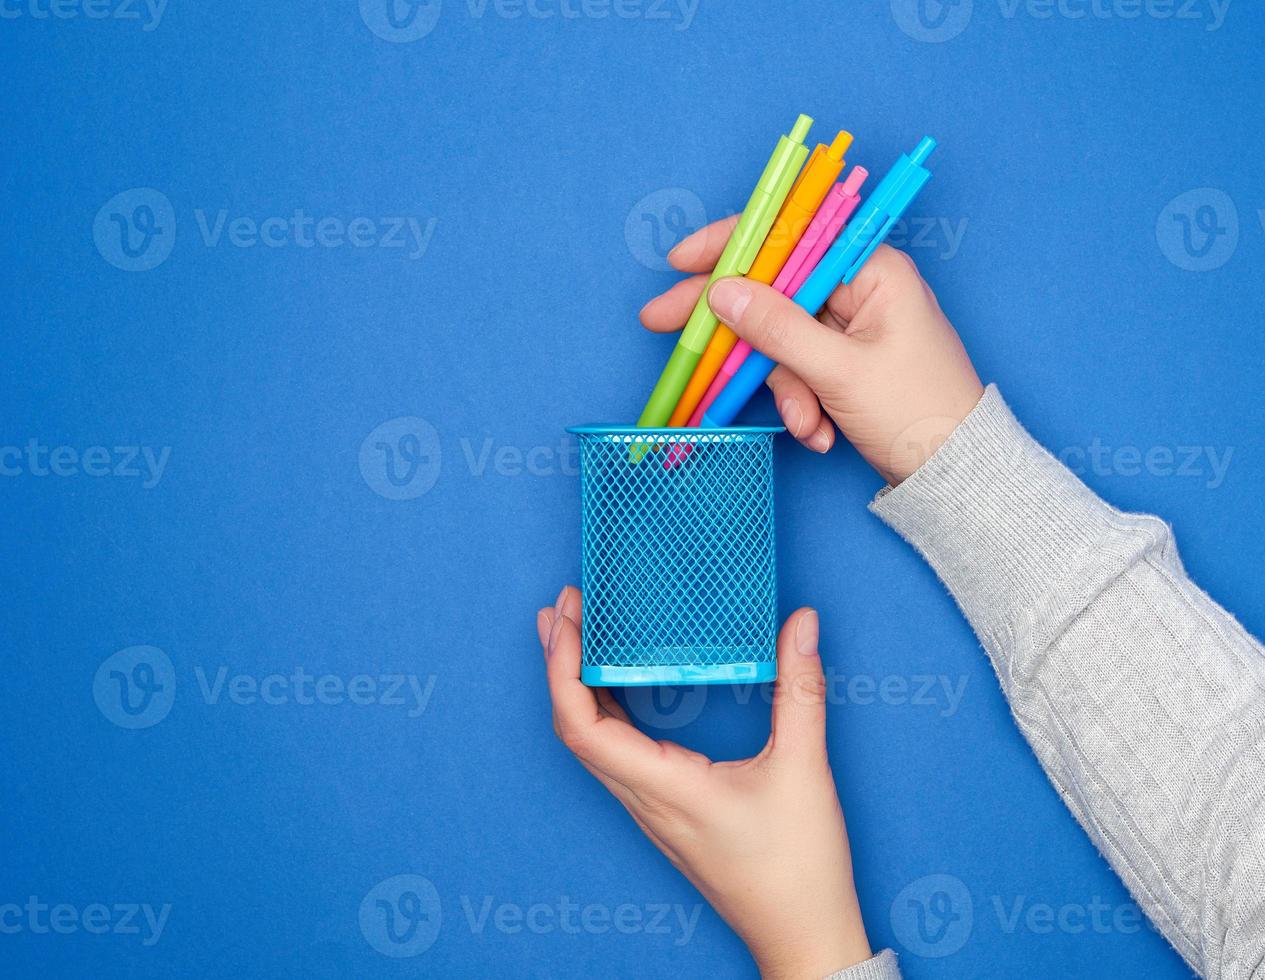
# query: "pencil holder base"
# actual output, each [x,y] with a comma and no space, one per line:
[749,673]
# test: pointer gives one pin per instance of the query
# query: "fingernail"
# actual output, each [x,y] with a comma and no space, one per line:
[553,633]
[562,597]
[728,298]
[806,632]
[675,248]
[792,415]
[819,441]
[543,625]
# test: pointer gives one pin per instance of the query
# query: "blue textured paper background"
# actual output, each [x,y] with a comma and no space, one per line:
[546,162]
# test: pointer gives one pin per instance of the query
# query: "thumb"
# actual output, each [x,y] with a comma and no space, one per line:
[780,329]
[799,699]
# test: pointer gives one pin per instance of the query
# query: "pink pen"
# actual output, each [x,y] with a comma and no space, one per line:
[840,204]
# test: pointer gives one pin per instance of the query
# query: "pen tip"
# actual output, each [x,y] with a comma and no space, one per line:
[800,130]
[840,145]
[923,150]
[855,180]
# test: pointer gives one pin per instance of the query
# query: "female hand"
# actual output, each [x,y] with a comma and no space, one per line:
[763,839]
[881,359]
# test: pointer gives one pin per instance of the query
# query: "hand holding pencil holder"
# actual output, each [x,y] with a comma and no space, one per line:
[679,563]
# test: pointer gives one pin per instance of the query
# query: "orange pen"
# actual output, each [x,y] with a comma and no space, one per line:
[806,195]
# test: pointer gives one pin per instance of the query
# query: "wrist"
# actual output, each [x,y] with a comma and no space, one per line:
[793,957]
[922,438]
[813,964]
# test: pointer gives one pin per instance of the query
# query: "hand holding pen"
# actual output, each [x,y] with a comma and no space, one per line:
[881,360]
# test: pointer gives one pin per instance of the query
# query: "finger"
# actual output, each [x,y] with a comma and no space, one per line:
[799,697]
[544,623]
[801,411]
[570,604]
[887,267]
[606,701]
[607,743]
[688,755]
[698,252]
[781,330]
[669,311]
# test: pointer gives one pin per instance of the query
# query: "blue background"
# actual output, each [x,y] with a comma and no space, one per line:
[533,142]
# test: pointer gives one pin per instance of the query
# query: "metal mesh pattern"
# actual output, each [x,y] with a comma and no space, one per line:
[678,558]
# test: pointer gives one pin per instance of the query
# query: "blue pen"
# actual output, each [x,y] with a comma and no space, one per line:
[864,234]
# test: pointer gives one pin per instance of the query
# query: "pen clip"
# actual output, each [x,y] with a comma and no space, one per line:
[880,236]
[899,196]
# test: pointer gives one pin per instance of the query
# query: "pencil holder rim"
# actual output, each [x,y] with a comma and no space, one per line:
[599,429]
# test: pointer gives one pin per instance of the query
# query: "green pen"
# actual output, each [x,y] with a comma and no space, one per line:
[753,227]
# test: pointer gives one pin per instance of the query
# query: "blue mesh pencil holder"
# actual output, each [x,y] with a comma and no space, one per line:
[679,559]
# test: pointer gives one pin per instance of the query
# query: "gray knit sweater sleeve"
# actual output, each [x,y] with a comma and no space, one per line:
[1142,698]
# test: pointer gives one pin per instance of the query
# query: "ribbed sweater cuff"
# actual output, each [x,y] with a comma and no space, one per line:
[1000,519]
[881,967]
